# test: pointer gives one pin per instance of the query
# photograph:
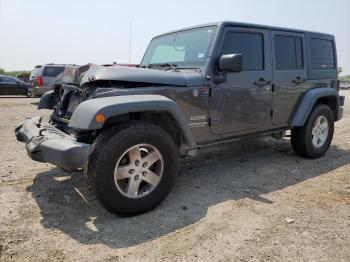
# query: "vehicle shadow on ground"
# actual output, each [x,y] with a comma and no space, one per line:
[244,169]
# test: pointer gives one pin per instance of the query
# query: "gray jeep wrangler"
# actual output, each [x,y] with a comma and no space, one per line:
[127,126]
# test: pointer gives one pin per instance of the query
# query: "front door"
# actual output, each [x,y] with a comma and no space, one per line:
[242,102]
[289,73]
[6,86]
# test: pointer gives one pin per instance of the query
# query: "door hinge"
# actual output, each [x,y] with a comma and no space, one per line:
[272,88]
[209,121]
[271,113]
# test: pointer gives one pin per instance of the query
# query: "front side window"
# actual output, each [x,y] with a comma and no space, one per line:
[288,52]
[250,45]
[185,48]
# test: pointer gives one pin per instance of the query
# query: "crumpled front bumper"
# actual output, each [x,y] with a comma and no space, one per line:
[45,143]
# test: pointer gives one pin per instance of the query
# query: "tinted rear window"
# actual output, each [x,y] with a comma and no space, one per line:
[322,54]
[250,45]
[53,71]
[288,52]
[35,72]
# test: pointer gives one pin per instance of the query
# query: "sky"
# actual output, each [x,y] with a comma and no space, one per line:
[35,32]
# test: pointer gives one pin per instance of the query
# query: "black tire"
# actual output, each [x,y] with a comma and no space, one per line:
[302,136]
[29,93]
[109,147]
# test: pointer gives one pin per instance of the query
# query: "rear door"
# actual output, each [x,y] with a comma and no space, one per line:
[289,73]
[242,102]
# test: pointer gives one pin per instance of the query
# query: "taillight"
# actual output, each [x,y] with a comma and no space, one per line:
[39,81]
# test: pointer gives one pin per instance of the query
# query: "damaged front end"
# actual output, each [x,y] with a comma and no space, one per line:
[93,81]
[68,146]
[46,143]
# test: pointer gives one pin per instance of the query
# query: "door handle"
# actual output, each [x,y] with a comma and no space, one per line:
[299,80]
[262,82]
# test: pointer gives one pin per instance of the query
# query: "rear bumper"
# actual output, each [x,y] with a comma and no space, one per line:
[340,108]
[45,143]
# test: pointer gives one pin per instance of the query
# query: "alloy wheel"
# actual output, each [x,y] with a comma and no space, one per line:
[138,171]
[320,131]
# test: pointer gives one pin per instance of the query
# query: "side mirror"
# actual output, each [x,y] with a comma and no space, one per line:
[231,63]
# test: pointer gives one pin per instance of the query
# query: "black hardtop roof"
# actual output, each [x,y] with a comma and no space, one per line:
[62,65]
[248,25]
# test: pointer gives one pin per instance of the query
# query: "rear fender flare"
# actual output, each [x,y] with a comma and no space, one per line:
[307,103]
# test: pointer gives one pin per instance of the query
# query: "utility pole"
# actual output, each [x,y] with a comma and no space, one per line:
[130,43]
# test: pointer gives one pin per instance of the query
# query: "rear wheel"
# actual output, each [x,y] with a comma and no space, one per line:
[131,169]
[314,139]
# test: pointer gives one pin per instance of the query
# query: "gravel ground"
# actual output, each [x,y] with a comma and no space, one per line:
[253,200]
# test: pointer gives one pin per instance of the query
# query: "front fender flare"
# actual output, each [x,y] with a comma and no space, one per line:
[45,100]
[83,117]
[307,103]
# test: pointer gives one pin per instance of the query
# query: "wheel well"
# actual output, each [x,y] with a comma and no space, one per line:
[331,102]
[163,119]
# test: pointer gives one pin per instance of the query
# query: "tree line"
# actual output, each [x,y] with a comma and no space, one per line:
[14,73]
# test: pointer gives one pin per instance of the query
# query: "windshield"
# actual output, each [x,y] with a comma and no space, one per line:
[184,48]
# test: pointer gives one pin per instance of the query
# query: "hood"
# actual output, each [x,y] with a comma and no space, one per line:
[91,73]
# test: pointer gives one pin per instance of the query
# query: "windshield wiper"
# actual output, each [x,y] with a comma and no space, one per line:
[197,68]
[170,65]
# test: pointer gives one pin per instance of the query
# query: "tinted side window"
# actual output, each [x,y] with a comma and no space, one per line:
[250,45]
[35,72]
[322,54]
[9,80]
[53,71]
[288,52]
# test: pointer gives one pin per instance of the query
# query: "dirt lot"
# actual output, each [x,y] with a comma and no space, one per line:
[252,200]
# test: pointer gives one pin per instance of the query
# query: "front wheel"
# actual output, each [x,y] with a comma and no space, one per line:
[313,139]
[131,169]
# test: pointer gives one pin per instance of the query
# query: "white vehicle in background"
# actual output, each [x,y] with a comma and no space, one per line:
[344,85]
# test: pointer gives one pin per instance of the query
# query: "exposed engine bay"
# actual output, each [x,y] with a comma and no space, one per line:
[79,83]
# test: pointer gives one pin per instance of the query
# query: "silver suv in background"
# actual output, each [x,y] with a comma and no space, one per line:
[42,78]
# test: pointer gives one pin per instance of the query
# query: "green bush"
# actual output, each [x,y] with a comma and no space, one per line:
[345,79]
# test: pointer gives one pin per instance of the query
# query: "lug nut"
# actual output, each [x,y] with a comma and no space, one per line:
[144,173]
[131,171]
[137,162]
[145,164]
[136,178]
